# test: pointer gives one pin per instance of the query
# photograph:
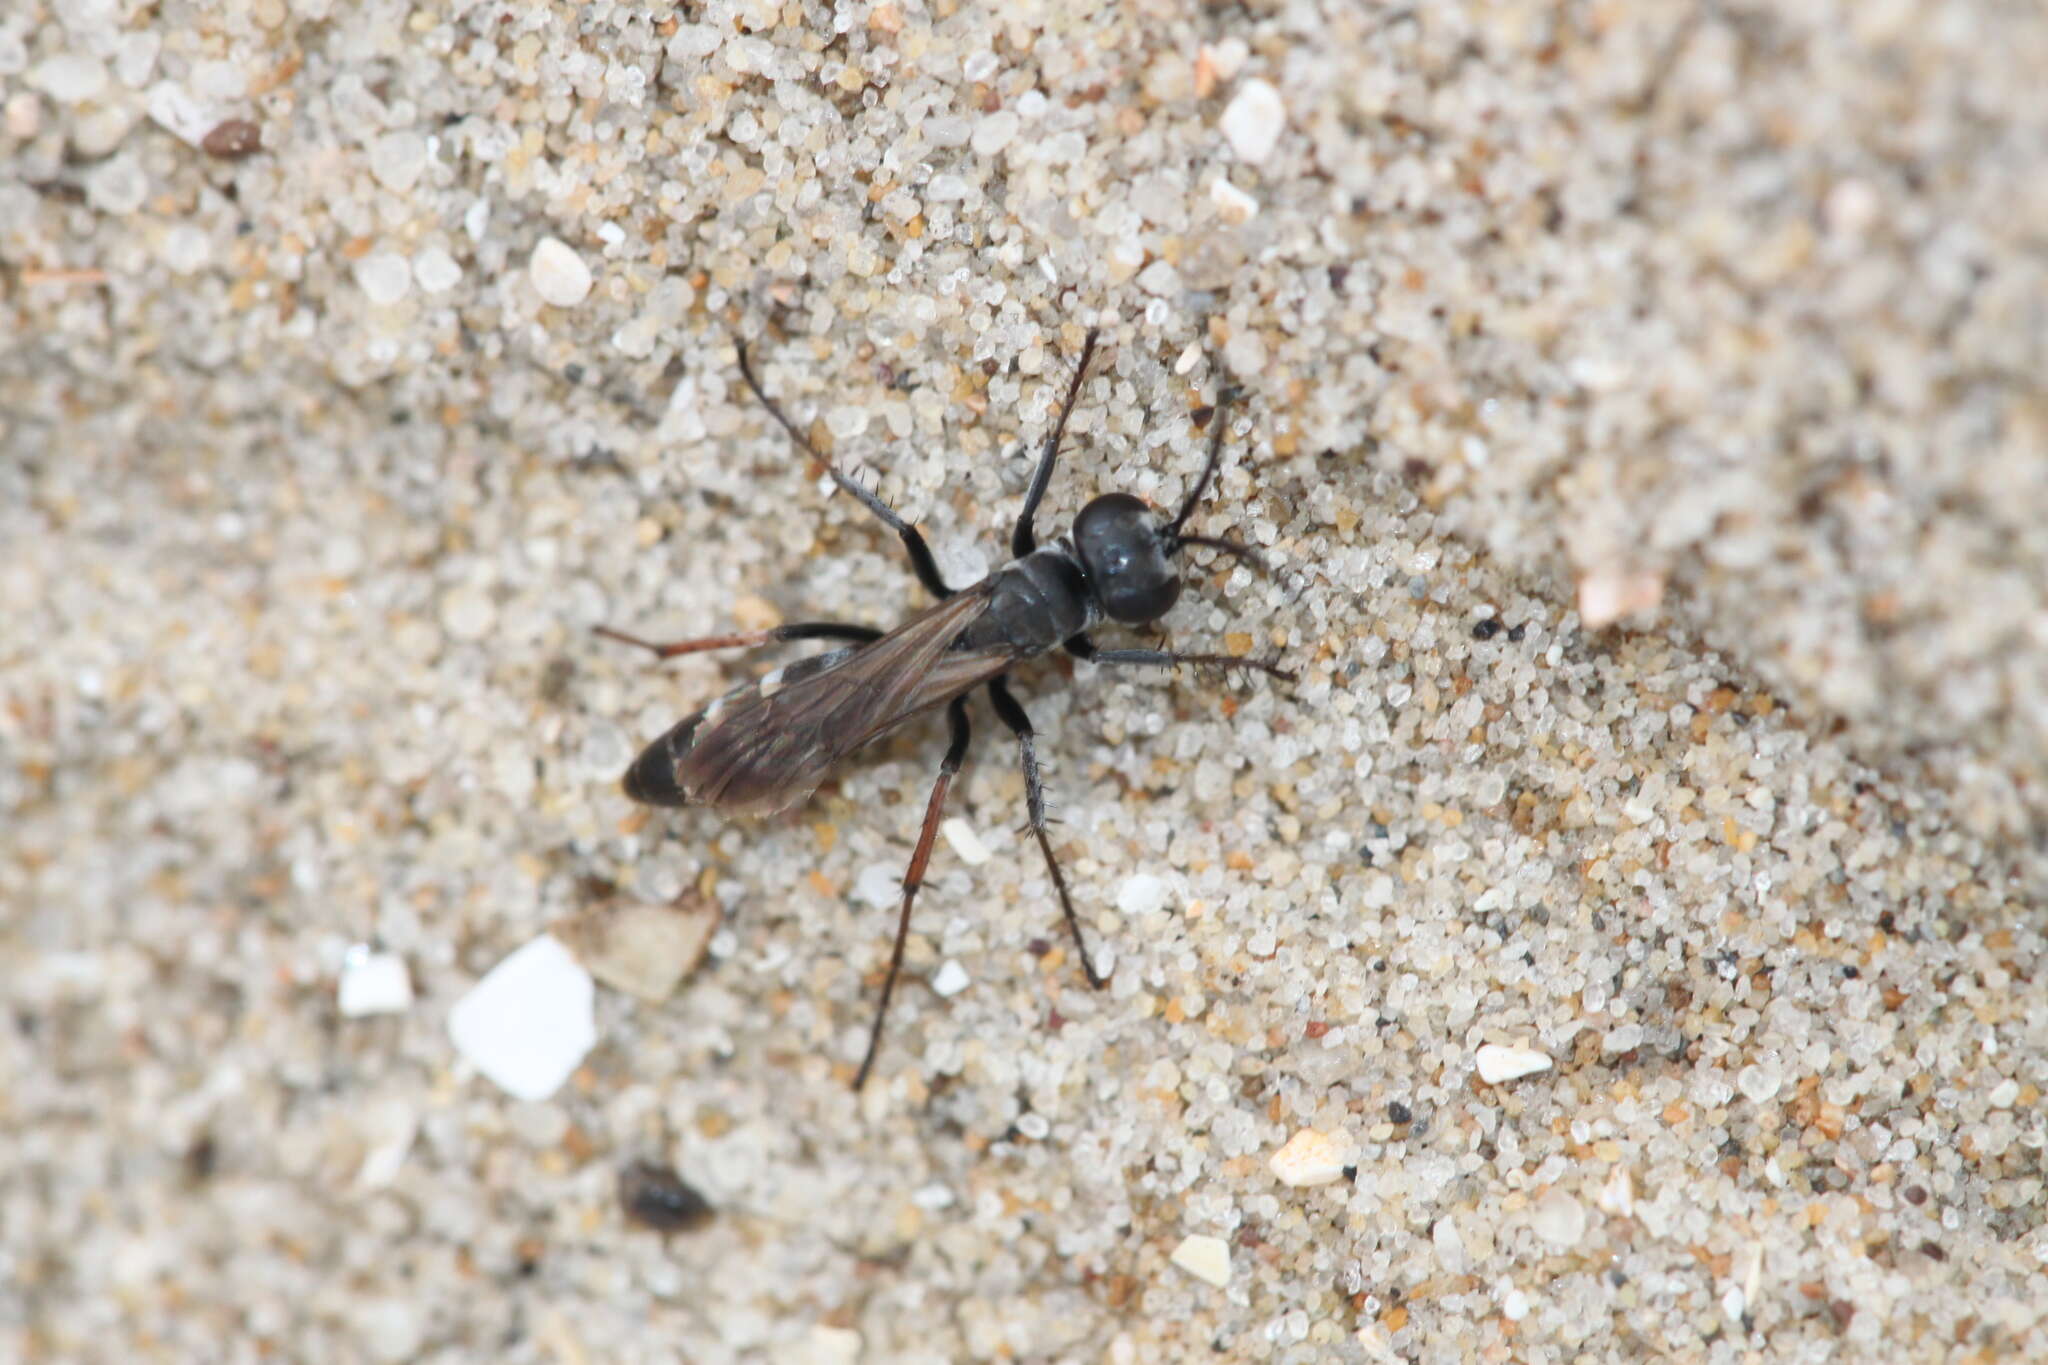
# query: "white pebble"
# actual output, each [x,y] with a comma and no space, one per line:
[435,270]
[1759,1084]
[1450,1246]
[1514,1306]
[385,277]
[1141,894]
[559,275]
[1558,1219]
[70,77]
[467,612]
[528,1024]
[932,1197]
[995,132]
[1228,57]
[965,843]
[117,186]
[1311,1158]
[824,1345]
[1497,1063]
[389,1329]
[950,979]
[388,1127]
[397,159]
[174,109]
[2004,1094]
[879,885]
[1231,202]
[1159,279]
[1254,120]
[1205,1258]
[1618,1193]
[372,983]
[1608,594]
[101,131]
[135,55]
[186,248]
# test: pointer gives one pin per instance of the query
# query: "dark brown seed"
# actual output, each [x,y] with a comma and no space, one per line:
[233,139]
[654,1196]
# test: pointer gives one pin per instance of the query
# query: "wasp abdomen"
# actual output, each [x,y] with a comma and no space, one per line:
[653,778]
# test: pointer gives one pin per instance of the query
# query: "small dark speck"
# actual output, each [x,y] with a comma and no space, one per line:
[554,679]
[202,1158]
[1200,416]
[1915,1195]
[1379,964]
[1351,1175]
[1486,628]
[655,1197]
[1933,1251]
[1516,633]
[1398,1112]
[232,140]
[1850,973]
[1038,947]
[573,373]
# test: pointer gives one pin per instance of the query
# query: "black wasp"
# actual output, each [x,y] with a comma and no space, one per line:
[766,745]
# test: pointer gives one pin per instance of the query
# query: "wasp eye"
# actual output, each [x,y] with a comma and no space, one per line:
[1125,558]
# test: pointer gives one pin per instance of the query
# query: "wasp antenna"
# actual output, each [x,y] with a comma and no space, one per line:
[1220,420]
[1230,547]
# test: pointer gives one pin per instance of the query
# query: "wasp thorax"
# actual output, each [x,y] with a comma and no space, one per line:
[1125,556]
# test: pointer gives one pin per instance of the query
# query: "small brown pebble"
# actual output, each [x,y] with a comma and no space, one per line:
[655,1197]
[233,139]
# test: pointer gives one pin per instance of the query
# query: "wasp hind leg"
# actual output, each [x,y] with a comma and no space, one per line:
[1014,716]
[753,639]
[956,752]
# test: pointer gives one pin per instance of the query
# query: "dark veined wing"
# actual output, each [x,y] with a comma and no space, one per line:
[767,744]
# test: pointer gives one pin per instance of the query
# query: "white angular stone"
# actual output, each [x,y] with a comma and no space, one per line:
[965,843]
[398,158]
[70,77]
[529,1023]
[435,270]
[1618,1193]
[372,983]
[1254,120]
[559,275]
[1231,202]
[950,979]
[1558,1219]
[385,277]
[1497,1064]
[1205,1258]
[1141,894]
[1311,1158]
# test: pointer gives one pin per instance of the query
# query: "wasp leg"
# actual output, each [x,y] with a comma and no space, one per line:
[1023,540]
[1081,647]
[1013,715]
[956,717]
[753,639]
[921,561]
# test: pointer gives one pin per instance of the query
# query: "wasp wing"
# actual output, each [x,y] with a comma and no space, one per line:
[766,745]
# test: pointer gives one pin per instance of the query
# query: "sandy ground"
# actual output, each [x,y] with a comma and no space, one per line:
[1644,417]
